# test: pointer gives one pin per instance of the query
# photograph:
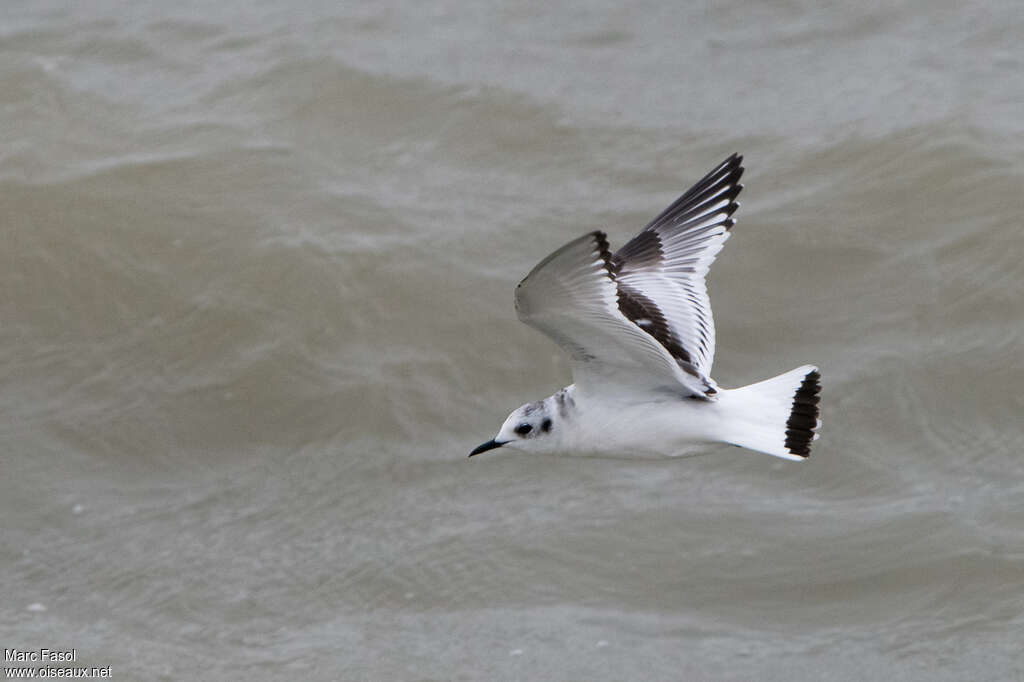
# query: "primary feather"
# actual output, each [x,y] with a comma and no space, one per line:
[640,318]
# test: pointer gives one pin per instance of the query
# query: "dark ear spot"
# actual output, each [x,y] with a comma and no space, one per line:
[545,425]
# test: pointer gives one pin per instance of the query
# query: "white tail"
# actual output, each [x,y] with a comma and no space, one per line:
[778,416]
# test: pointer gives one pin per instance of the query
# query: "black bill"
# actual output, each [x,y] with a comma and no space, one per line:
[489,445]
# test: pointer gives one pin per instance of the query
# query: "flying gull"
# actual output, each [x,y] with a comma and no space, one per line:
[637,326]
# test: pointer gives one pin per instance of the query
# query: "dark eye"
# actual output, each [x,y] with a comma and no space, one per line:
[545,425]
[524,429]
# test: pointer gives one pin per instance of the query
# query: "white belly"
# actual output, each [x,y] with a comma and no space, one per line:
[657,429]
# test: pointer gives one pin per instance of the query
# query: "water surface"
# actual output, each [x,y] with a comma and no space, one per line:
[256,303]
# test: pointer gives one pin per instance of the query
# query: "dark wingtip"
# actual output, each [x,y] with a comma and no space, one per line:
[605,251]
[803,420]
[723,182]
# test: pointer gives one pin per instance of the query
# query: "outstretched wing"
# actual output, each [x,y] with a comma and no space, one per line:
[660,272]
[641,318]
[572,296]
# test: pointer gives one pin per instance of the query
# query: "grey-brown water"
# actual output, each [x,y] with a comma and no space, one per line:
[256,308]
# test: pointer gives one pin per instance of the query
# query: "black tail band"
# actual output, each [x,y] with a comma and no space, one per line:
[803,419]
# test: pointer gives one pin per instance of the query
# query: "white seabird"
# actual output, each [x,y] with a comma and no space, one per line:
[637,325]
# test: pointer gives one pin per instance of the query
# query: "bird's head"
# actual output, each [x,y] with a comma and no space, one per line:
[530,427]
